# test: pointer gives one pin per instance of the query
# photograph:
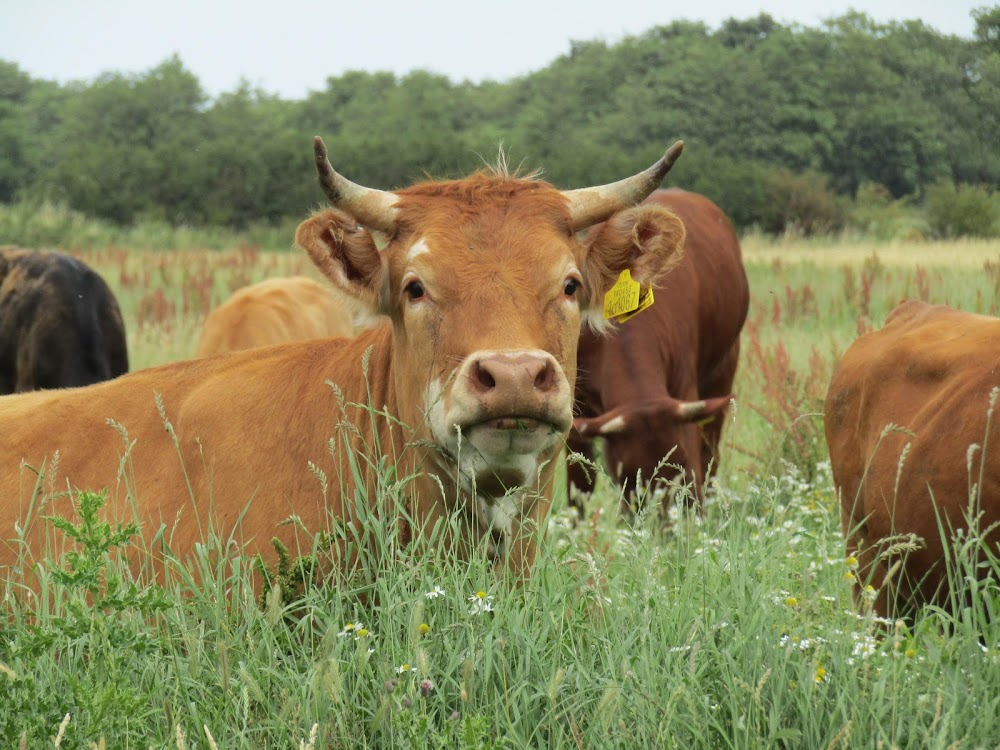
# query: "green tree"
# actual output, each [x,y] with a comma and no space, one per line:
[127,145]
[15,87]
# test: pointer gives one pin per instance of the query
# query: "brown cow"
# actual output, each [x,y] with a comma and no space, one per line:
[484,284]
[661,383]
[60,325]
[273,312]
[929,372]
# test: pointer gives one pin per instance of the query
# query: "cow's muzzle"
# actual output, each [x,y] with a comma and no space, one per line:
[507,412]
[520,391]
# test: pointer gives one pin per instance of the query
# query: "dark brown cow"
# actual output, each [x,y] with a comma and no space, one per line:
[484,285]
[661,383]
[273,312]
[60,325]
[929,372]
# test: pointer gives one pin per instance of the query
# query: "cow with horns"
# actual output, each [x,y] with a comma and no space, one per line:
[656,390]
[483,283]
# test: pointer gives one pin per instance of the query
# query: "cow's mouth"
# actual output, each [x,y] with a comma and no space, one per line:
[512,435]
[514,423]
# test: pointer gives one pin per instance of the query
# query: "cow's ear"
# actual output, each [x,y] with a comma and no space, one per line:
[646,240]
[346,254]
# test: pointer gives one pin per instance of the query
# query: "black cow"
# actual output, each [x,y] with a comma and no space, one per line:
[60,325]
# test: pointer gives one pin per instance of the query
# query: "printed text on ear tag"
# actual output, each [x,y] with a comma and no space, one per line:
[624,300]
[645,301]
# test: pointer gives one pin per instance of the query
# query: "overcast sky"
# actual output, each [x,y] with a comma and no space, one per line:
[290,47]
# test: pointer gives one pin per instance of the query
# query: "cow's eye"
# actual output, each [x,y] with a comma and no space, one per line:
[415,289]
[571,286]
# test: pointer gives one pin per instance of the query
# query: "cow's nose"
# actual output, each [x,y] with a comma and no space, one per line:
[502,375]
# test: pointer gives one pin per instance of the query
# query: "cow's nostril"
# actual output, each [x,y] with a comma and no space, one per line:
[545,377]
[484,377]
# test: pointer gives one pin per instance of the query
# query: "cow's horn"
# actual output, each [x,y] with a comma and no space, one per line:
[609,423]
[372,208]
[588,206]
[688,410]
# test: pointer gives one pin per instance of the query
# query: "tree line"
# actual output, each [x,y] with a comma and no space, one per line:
[785,125]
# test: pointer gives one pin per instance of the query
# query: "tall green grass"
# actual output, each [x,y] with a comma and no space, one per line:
[731,629]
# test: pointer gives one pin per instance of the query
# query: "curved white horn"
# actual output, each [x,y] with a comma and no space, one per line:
[588,206]
[372,208]
[689,409]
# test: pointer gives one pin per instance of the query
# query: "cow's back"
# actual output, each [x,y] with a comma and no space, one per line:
[713,268]
[273,312]
[60,325]
[929,372]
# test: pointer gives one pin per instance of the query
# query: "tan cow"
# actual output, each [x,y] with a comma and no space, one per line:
[929,372]
[273,312]
[484,286]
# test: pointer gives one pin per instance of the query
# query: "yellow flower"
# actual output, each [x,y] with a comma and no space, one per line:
[868,594]
[849,576]
[362,632]
[910,653]
[820,674]
[424,628]
[791,602]
[852,562]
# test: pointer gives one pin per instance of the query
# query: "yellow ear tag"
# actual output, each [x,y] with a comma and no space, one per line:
[625,299]
[622,297]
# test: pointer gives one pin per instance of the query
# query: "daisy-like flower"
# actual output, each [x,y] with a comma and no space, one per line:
[403,668]
[435,592]
[360,632]
[868,593]
[481,602]
[864,647]
[820,674]
[849,576]
[910,653]
[851,562]
[351,628]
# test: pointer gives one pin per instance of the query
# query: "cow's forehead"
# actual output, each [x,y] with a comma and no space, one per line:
[481,206]
[473,224]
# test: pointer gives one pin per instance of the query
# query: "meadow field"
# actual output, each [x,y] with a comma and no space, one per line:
[733,628]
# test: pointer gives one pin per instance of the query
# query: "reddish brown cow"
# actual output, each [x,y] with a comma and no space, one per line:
[912,447]
[661,383]
[484,285]
[273,312]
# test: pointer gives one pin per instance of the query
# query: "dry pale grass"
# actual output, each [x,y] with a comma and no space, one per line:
[839,251]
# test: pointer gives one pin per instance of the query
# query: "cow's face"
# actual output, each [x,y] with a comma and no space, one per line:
[486,285]
[660,452]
